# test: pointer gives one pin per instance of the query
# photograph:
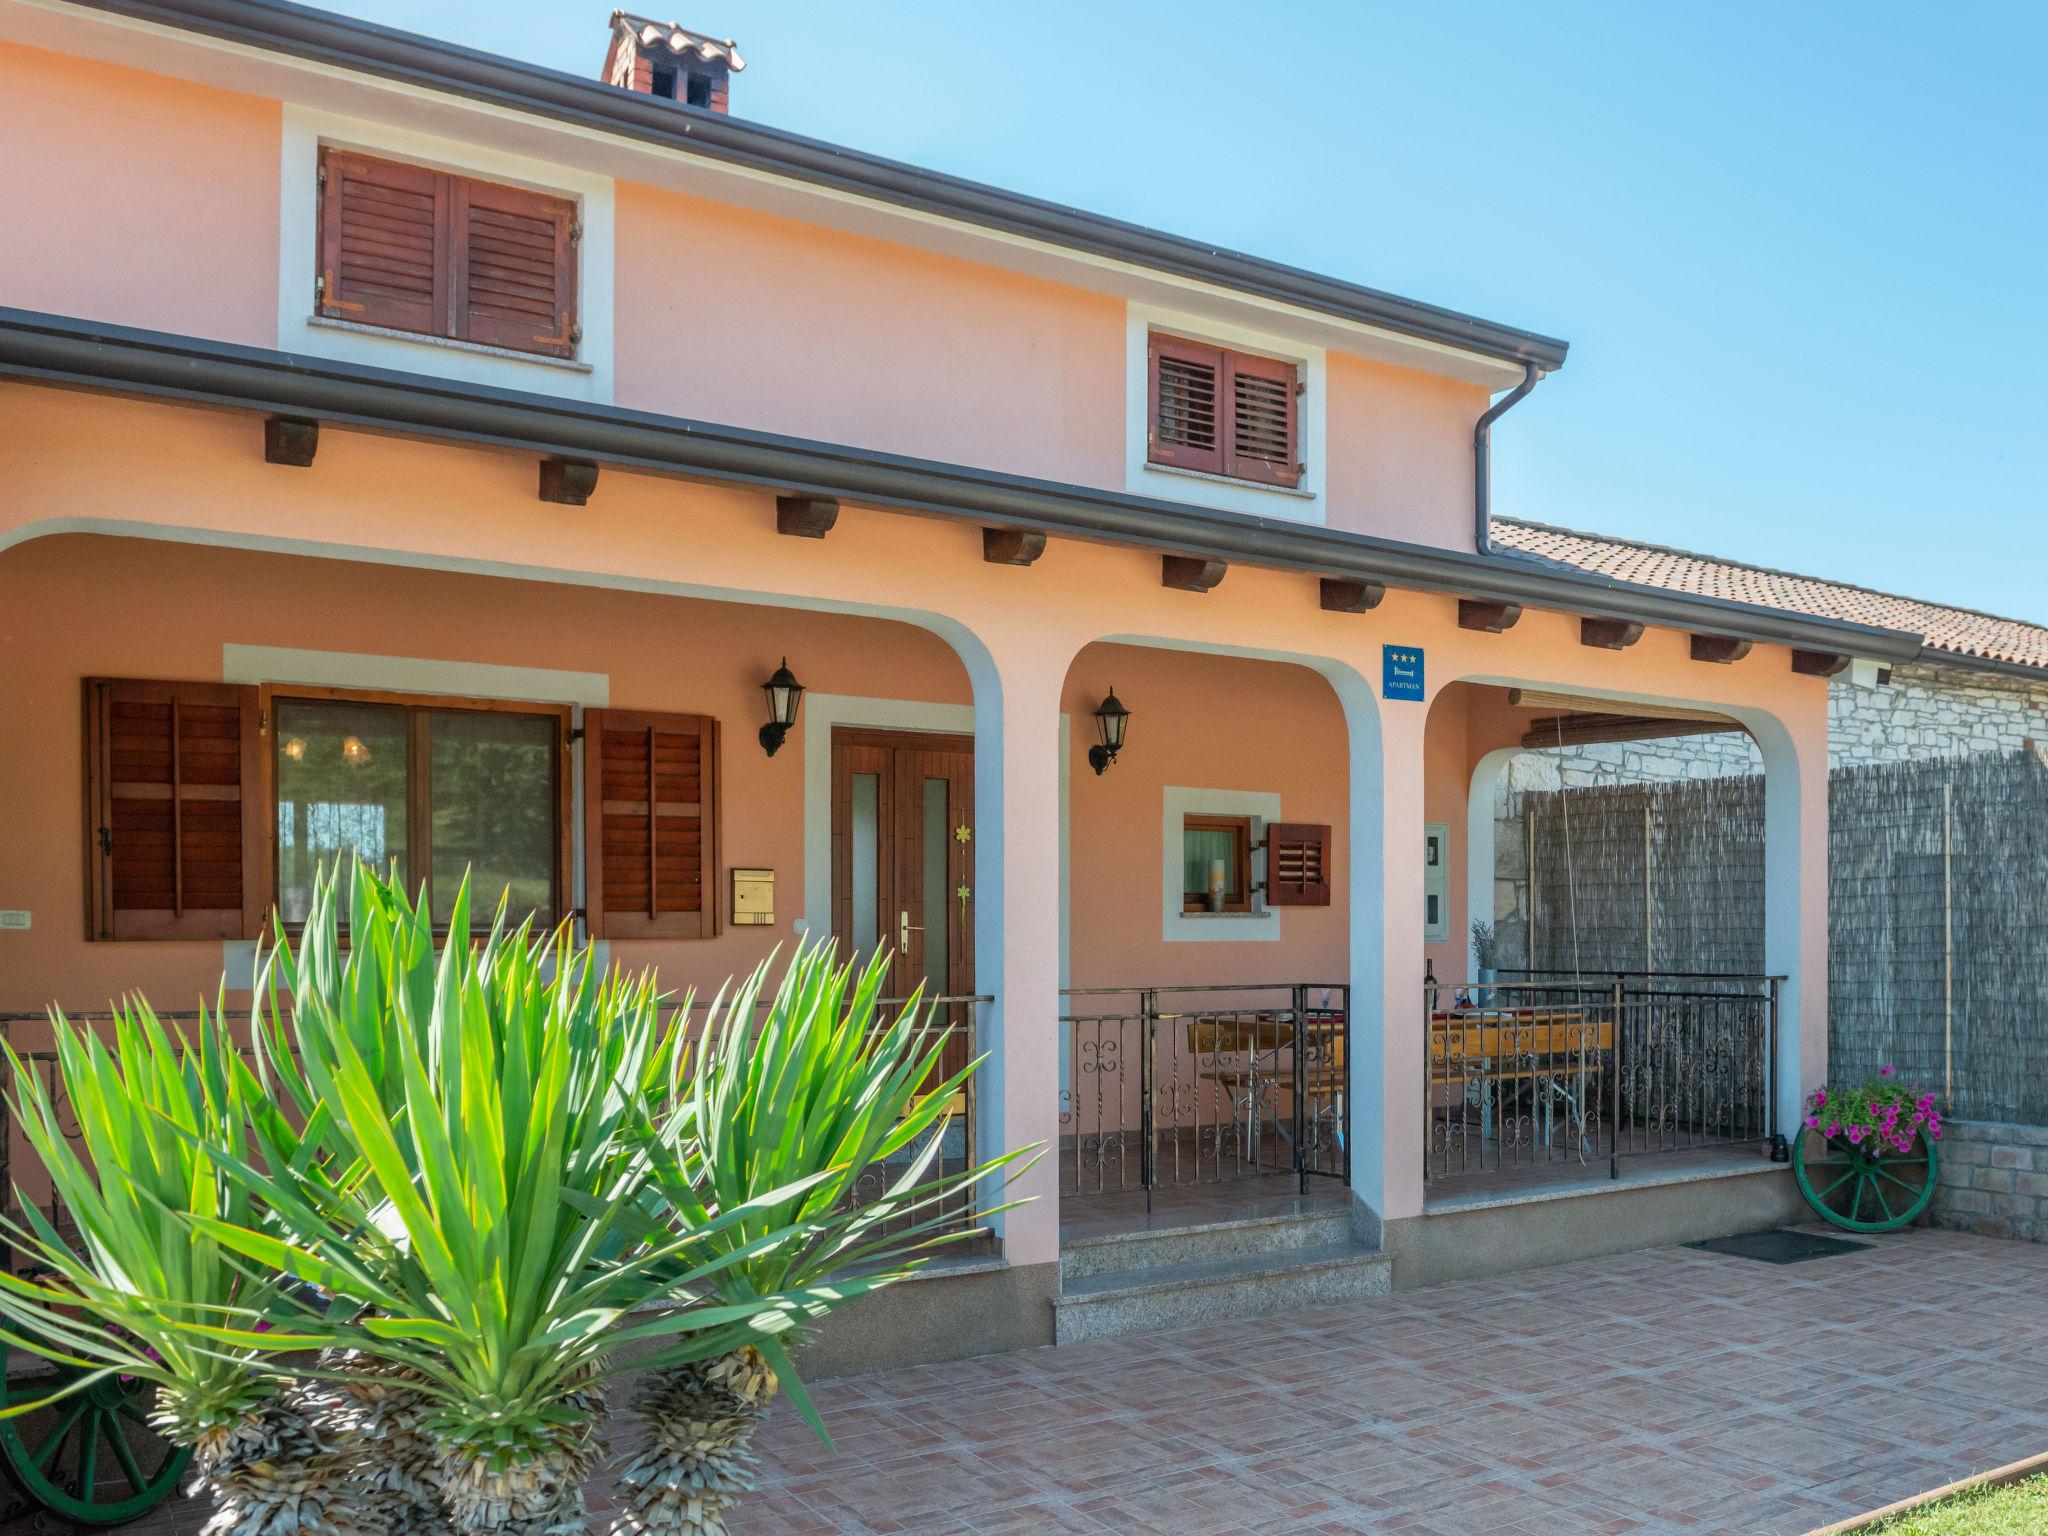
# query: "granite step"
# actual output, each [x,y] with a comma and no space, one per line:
[1083,1258]
[1105,1305]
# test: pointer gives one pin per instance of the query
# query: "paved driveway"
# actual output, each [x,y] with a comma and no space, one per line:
[1666,1391]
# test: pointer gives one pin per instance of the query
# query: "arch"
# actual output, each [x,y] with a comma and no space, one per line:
[1364,883]
[1795,868]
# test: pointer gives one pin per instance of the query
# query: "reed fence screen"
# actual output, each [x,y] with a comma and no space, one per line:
[1937,909]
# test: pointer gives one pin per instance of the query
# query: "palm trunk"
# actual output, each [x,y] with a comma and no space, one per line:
[377,1410]
[275,1473]
[540,1496]
[698,1461]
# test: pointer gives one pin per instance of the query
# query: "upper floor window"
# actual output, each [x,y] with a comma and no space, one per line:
[413,249]
[1223,412]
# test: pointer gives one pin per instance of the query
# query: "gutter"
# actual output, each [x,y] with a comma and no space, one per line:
[1999,666]
[1482,458]
[66,352]
[273,26]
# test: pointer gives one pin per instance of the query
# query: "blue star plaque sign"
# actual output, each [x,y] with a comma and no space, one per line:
[1401,675]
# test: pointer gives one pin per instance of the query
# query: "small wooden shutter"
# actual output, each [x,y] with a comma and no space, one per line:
[1297,864]
[384,251]
[515,274]
[175,822]
[1260,440]
[650,817]
[1187,405]
[418,250]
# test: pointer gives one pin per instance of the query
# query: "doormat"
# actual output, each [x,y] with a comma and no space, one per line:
[1780,1245]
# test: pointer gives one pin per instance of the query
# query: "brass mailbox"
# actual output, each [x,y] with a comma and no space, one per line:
[753,897]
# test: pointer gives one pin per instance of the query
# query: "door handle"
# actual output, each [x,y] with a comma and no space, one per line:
[904,929]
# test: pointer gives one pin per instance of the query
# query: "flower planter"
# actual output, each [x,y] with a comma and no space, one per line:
[1867,1158]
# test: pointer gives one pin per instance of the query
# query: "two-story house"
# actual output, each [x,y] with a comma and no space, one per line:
[420,453]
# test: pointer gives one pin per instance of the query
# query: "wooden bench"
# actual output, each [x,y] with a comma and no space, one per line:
[1260,1038]
[1496,1047]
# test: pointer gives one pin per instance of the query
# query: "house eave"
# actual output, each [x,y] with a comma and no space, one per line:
[67,352]
[427,63]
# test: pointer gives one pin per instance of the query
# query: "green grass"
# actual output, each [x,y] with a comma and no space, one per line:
[2018,1510]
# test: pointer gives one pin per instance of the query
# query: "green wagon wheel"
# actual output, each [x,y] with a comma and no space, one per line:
[1867,1188]
[93,1457]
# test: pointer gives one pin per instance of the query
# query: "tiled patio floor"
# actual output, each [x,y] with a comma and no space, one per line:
[1666,1391]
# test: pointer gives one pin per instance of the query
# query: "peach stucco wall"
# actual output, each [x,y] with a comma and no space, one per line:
[137,199]
[77,463]
[80,606]
[1198,722]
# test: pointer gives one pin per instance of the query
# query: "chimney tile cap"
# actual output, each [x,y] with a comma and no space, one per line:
[648,33]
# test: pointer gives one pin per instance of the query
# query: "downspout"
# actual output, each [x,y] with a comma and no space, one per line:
[1482,459]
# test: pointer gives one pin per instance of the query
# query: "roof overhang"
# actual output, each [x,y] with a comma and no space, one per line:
[66,352]
[753,165]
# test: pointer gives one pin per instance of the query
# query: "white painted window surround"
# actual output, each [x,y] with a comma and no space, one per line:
[587,377]
[1301,504]
[1260,924]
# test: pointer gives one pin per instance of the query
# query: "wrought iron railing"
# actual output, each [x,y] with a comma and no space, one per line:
[1166,1086]
[1547,1070]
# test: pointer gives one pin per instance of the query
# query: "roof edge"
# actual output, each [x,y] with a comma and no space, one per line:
[342,42]
[69,352]
[1650,547]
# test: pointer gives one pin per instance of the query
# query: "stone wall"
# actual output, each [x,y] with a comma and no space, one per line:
[1994,1180]
[1924,711]
[1934,711]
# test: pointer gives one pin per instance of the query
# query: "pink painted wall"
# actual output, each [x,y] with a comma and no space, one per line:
[739,317]
[1400,452]
[137,199]
[154,202]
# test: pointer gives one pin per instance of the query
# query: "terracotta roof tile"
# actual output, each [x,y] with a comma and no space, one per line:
[1958,631]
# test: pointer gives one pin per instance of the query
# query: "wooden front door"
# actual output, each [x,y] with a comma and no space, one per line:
[903,855]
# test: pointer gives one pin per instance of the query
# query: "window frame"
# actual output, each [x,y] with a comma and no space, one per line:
[1239,898]
[419,781]
[1436,881]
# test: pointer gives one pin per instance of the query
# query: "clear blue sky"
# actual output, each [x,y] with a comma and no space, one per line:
[1800,251]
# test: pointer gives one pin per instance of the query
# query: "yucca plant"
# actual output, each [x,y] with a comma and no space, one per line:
[789,1102]
[376,1406]
[139,1293]
[471,1198]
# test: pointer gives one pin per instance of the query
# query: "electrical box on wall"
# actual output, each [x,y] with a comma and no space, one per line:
[753,897]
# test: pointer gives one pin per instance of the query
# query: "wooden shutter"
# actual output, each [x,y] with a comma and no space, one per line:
[418,250]
[515,274]
[1297,864]
[175,820]
[384,248]
[1186,412]
[650,817]
[1259,441]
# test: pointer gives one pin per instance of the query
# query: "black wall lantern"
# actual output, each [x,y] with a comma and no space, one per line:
[784,692]
[1111,720]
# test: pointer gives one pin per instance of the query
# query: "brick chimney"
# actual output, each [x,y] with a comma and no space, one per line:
[659,58]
